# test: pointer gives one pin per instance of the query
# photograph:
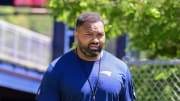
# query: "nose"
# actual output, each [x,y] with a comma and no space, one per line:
[95,40]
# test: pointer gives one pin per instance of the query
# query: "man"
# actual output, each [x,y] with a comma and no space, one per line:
[87,73]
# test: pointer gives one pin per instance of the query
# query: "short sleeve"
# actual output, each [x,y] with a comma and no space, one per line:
[128,91]
[48,90]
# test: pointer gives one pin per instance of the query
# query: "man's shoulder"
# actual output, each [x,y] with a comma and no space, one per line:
[113,60]
[67,57]
[110,56]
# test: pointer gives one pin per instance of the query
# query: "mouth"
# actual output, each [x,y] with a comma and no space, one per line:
[94,47]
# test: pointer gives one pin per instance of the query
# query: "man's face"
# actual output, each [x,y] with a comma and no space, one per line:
[91,38]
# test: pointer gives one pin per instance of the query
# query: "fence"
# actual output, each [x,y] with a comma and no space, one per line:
[24,47]
[156,80]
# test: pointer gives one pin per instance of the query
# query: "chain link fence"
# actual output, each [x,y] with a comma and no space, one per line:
[156,80]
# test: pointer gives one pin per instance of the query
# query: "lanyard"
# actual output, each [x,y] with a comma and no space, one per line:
[93,89]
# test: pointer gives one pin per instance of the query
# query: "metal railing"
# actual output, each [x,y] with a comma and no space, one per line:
[156,80]
[22,46]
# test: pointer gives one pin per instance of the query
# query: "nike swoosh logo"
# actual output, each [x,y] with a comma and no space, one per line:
[108,73]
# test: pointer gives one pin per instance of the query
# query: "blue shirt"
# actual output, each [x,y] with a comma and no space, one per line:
[67,80]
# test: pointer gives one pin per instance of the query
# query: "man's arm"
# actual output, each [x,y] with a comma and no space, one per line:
[48,90]
[128,90]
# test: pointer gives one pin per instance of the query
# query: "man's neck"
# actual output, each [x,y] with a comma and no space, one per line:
[87,58]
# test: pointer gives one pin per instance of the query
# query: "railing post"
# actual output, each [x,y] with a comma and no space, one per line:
[16,45]
[58,39]
[2,38]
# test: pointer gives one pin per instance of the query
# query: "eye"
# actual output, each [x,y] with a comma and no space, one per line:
[100,35]
[88,34]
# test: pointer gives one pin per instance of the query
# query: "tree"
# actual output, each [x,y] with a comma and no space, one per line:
[152,25]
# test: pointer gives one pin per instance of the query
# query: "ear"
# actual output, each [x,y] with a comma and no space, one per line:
[76,34]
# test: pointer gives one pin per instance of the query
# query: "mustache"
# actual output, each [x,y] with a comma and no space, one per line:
[94,43]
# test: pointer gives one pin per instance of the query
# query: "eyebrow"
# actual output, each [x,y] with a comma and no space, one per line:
[90,31]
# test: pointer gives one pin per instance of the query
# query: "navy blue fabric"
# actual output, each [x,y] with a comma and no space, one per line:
[65,80]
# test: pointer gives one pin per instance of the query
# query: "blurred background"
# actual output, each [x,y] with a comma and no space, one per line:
[143,33]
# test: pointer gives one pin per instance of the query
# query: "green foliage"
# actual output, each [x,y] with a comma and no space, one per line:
[152,25]
[38,23]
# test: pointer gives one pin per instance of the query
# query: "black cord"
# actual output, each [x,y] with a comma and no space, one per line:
[93,91]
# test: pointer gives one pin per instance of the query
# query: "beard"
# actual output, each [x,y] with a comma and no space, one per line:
[86,50]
